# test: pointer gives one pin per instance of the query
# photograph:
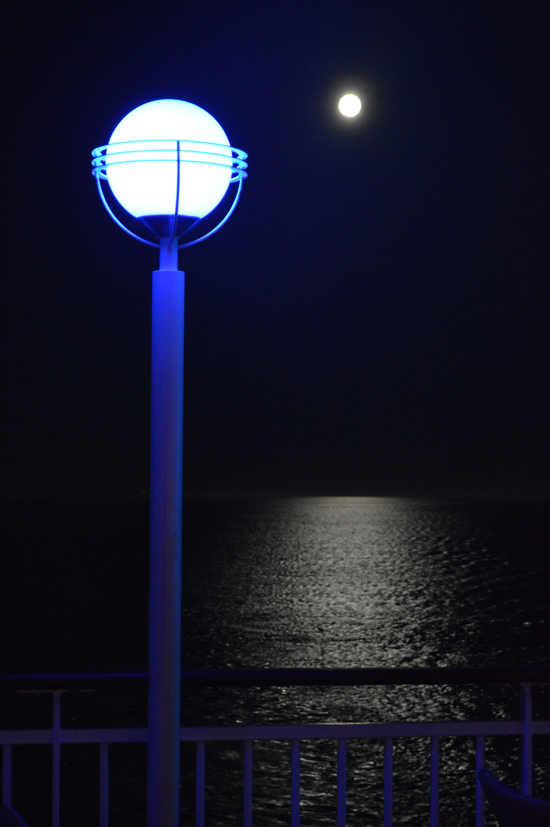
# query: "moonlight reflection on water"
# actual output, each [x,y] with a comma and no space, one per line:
[349,582]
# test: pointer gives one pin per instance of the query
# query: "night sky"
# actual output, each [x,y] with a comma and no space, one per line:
[372,320]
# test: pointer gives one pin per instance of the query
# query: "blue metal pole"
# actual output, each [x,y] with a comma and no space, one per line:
[163,749]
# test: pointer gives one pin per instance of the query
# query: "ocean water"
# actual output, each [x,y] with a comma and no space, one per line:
[310,582]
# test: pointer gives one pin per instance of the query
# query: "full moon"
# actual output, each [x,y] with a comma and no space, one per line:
[349,105]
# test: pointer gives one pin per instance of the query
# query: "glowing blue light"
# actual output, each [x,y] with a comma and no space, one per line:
[148,146]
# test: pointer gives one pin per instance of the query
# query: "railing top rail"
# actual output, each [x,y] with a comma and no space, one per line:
[280,732]
[367,677]
[51,682]
[293,677]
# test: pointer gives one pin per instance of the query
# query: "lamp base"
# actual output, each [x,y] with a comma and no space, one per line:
[161,225]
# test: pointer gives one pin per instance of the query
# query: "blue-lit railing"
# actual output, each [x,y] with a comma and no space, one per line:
[525,728]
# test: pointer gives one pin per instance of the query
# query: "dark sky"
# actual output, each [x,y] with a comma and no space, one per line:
[374,317]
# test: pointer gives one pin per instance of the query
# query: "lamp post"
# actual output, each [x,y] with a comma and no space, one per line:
[169,164]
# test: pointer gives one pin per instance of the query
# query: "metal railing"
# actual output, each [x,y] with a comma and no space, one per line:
[525,727]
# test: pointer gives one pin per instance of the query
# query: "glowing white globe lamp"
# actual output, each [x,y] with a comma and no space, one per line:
[146,136]
[349,105]
[169,164]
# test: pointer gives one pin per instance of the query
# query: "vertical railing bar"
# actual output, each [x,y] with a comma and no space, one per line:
[295,784]
[200,784]
[6,775]
[526,782]
[56,763]
[434,782]
[104,785]
[248,784]
[341,782]
[388,782]
[480,795]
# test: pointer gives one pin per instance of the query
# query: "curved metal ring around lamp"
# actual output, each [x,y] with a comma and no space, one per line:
[170,151]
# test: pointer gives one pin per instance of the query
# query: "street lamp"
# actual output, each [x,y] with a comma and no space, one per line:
[169,164]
